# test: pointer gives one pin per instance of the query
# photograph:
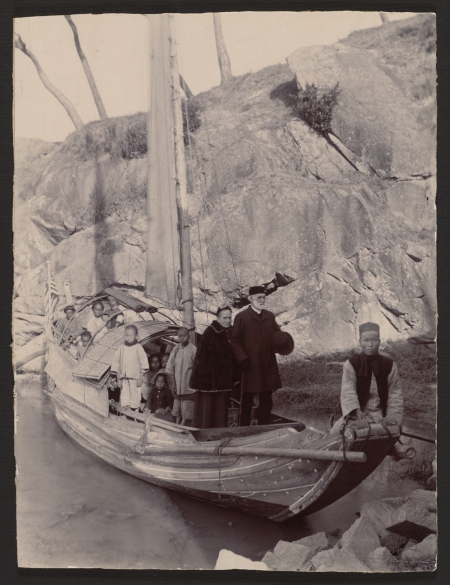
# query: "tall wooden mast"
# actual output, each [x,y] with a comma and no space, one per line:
[187,299]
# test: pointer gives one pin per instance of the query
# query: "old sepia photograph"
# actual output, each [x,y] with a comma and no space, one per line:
[224,307]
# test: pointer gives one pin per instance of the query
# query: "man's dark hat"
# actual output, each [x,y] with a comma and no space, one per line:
[256,290]
[69,308]
[369,327]
[283,343]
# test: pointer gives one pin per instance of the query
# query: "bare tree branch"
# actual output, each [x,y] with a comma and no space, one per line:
[222,54]
[70,109]
[384,17]
[87,70]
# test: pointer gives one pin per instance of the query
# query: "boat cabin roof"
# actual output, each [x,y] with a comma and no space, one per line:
[129,300]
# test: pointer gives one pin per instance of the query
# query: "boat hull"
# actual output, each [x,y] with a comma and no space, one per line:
[270,487]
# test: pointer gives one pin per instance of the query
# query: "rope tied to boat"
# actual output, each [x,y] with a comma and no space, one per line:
[217,453]
[342,431]
[391,438]
[360,423]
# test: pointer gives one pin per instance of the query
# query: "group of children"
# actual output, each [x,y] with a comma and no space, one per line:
[77,337]
[158,384]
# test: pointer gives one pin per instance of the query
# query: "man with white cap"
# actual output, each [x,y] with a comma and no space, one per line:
[371,386]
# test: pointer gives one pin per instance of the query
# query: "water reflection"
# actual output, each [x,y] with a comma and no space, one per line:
[73,510]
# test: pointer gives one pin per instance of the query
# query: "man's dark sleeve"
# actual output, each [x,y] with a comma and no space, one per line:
[276,327]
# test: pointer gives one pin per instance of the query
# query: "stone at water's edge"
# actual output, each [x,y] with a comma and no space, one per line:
[361,538]
[289,556]
[230,560]
[423,551]
[425,499]
[316,542]
[342,560]
[381,561]
[380,513]
[361,247]
[415,515]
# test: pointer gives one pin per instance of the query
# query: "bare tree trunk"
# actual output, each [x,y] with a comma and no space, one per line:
[185,87]
[19,44]
[87,70]
[384,17]
[222,54]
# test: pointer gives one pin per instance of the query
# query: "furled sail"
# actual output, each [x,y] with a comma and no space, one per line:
[163,252]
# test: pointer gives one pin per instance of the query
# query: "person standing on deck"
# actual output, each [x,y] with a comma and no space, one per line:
[214,373]
[178,372]
[371,387]
[130,364]
[253,345]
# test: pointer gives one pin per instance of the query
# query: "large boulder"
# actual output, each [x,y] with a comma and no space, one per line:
[103,254]
[267,195]
[373,117]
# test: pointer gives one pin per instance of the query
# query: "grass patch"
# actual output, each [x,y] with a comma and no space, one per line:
[312,386]
[124,137]
[419,471]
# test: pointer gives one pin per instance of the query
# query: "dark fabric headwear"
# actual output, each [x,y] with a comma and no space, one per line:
[220,309]
[257,290]
[69,308]
[283,343]
[368,327]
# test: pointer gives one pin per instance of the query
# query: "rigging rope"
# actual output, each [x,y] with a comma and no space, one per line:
[215,177]
[188,132]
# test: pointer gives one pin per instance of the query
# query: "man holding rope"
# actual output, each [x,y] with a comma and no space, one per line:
[255,338]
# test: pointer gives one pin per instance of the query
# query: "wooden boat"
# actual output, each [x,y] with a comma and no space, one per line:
[275,471]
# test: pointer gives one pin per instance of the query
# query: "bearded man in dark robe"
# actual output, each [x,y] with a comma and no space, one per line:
[252,342]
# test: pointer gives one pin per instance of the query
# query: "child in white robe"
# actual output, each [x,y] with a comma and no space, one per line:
[130,364]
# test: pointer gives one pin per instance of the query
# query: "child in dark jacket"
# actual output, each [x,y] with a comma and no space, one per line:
[158,400]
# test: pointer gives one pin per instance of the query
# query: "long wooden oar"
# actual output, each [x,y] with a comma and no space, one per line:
[324,455]
[418,437]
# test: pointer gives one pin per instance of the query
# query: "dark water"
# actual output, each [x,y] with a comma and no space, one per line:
[75,511]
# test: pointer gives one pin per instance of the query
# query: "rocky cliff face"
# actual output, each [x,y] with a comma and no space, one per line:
[350,217]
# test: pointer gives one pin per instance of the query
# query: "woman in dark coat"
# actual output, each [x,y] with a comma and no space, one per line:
[214,373]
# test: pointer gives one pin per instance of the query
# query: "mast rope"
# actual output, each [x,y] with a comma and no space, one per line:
[189,168]
[216,181]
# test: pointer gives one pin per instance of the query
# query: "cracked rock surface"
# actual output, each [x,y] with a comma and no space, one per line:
[351,216]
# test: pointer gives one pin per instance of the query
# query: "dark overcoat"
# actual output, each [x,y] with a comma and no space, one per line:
[215,367]
[252,338]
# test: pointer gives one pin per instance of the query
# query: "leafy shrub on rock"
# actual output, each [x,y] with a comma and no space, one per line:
[306,104]
[315,110]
